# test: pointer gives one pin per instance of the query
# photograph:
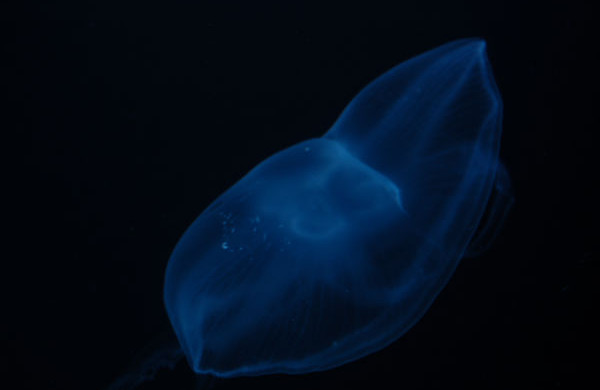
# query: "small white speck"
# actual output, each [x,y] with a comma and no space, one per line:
[232,230]
[307,149]
[225,245]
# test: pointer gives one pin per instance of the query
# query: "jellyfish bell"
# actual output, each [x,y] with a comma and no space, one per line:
[333,248]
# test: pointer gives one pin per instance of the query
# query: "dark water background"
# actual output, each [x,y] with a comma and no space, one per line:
[138,114]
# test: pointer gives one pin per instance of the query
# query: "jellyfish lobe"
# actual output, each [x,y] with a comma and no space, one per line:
[334,247]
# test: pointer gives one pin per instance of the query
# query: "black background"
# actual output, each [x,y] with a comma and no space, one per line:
[138,114]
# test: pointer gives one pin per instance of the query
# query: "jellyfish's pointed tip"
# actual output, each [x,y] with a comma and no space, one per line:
[480,42]
[476,44]
[474,50]
[481,46]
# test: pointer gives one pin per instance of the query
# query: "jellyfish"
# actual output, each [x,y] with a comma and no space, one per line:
[333,248]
